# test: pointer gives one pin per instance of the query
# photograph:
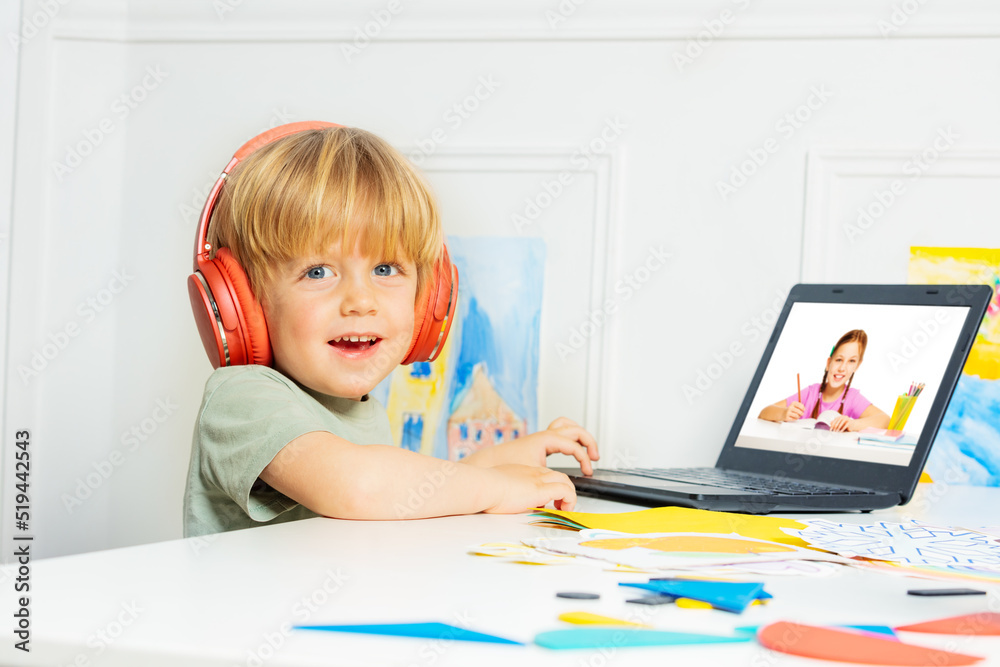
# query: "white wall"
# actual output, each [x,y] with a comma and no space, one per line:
[563,74]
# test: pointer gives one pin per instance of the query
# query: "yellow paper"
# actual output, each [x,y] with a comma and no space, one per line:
[688,603]
[687,520]
[586,618]
[688,544]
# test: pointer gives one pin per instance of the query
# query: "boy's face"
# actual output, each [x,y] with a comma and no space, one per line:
[315,303]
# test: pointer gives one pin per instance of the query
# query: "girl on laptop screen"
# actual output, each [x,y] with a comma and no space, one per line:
[833,402]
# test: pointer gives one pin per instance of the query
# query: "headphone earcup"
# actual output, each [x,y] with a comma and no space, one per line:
[230,319]
[434,312]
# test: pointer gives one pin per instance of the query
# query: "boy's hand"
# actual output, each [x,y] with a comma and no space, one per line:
[563,436]
[524,487]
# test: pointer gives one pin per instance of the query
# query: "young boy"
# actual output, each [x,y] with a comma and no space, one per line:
[337,233]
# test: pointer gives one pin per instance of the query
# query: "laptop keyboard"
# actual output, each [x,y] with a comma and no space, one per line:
[738,481]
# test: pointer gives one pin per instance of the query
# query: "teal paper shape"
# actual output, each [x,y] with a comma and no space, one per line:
[421,630]
[730,596]
[591,638]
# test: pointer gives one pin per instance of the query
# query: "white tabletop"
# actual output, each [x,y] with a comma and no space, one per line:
[792,438]
[230,600]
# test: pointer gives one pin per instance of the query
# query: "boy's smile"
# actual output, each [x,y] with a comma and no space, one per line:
[339,323]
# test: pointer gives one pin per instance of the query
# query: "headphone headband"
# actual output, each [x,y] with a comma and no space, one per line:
[201,246]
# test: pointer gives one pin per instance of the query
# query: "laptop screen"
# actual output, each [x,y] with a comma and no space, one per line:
[853,381]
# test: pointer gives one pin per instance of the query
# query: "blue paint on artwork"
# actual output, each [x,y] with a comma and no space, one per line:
[967,447]
[498,322]
[420,369]
[413,431]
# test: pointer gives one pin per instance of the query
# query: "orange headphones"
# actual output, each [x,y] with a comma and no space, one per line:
[231,320]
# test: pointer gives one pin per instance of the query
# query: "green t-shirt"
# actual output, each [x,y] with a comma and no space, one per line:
[247,415]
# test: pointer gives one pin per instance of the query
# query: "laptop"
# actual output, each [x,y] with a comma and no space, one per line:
[916,341]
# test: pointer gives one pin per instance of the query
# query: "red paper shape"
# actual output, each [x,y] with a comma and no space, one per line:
[983,623]
[830,644]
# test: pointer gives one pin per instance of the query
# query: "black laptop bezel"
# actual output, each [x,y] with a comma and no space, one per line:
[876,476]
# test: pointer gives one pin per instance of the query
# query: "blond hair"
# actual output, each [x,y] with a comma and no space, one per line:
[301,194]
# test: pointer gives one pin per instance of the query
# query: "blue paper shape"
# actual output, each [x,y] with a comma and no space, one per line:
[421,630]
[591,638]
[730,596]
[876,629]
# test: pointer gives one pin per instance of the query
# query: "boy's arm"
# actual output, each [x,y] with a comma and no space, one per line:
[337,478]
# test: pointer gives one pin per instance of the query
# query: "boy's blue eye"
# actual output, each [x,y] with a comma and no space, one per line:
[386,270]
[318,272]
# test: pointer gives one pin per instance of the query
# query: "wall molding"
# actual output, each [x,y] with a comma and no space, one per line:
[549,164]
[825,167]
[521,20]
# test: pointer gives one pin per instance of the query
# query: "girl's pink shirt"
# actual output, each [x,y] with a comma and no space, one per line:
[854,405]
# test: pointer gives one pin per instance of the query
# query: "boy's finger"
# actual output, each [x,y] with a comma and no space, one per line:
[582,436]
[563,493]
[562,421]
[580,454]
[577,450]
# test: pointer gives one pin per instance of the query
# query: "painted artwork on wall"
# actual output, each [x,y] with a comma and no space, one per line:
[967,447]
[483,387]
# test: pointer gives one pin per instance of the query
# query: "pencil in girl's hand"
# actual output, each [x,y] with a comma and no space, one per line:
[798,384]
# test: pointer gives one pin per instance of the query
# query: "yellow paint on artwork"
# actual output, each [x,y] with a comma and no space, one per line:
[587,618]
[689,543]
[961,266]
[421,395]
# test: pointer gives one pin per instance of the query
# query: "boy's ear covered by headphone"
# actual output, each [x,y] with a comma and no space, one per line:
[229,317]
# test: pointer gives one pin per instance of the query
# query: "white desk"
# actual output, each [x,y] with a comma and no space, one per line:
[789,438]
[220,602]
